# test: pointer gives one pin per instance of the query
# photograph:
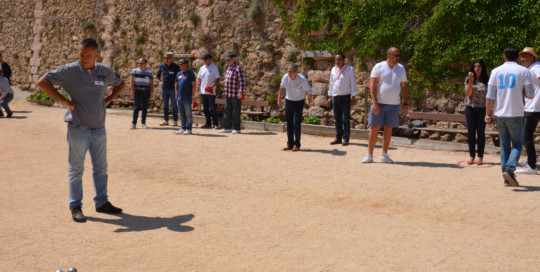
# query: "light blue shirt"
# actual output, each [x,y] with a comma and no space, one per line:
[295,90]
[88,88]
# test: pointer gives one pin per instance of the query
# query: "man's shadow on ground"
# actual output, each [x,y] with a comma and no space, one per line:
[527,189]
[130,222]
[430,164]
[333,152]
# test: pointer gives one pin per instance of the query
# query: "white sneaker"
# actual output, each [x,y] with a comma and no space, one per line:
[522,163]
[164,123]
[386,158]
[367,159]
[144,126]
[236,132]
[180,131]
[527,170]
[225,131]
[175,123]
[132,126]
[187,132]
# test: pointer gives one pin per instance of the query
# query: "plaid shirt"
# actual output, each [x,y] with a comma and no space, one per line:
[234,81]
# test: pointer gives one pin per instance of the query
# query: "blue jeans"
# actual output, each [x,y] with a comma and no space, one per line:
[293,113]
[231,113]
[4,103]
[184,108]
[476,128]
[342,115]
[209,108]
[511,137]
[166,96]
[80,140]
[141,103]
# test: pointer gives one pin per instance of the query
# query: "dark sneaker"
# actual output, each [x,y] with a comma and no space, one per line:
[1,113]
[206,126]
[506,183]
[9,114]
[108,208]
[77,215]
[511,178]
[336,141]
[345,142]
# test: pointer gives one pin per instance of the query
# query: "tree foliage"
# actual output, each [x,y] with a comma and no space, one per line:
[438,39]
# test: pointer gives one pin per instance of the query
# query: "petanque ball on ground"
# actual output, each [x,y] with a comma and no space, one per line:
[59,270]
[72,269]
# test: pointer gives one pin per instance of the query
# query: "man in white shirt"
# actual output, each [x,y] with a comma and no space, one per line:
[506,87]
[388,81]
[207,79]
[295,87]
[529,59]
[342,92]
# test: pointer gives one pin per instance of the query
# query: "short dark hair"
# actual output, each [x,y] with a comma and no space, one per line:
[511,53]
[341,54]
[184,61]
[90,43]
[207,56]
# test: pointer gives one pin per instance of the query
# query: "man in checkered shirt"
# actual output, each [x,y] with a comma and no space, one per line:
[234,91]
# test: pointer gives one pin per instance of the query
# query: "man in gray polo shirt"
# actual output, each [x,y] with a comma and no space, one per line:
[86,83]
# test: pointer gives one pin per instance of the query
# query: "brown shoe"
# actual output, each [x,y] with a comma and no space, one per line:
[345,142]
[296,148]
[336,141]
[287,148]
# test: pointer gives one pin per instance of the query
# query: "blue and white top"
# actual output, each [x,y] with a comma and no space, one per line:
[142,79]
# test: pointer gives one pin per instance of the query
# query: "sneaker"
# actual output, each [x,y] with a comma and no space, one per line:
[206,126]
[132,126]
[224,130]
[9,114]
[77,215]
[522,163]
[108,208]
[511,178]
[180,131]
[1,113]
[187,132]
[506,183]
[345,142]
[164,123]
[144,126]
[236,131]
[175,123]
[386,158]
[217,128]
[367,159]
[527,170]
[296,148]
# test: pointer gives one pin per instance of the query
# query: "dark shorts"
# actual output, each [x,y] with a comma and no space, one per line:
[389,116]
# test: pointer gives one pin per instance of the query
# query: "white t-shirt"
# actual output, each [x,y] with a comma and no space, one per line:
[390,79]
[295,90]
[509,81]
[208,76]
[533,105]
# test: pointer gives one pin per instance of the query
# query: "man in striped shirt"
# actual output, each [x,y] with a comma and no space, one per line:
[142,89]
[234,91]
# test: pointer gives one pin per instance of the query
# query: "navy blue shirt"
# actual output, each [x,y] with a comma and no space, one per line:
[168,74]
[185,85]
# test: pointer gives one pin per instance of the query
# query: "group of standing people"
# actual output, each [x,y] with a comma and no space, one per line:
[510,98]
[180,87]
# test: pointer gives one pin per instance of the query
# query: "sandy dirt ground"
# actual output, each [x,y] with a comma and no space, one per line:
[215,202]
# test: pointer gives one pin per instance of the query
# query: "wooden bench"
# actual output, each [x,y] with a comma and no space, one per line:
[260,105]
[445,117]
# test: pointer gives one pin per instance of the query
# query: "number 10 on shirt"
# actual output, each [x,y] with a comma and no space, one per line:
[508,81]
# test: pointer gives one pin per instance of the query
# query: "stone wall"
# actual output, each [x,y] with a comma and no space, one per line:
[39,35]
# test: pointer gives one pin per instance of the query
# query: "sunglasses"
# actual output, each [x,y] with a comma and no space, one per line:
[397,55]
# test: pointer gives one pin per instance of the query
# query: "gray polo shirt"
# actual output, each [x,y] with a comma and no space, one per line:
[4,86]
[87,88]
